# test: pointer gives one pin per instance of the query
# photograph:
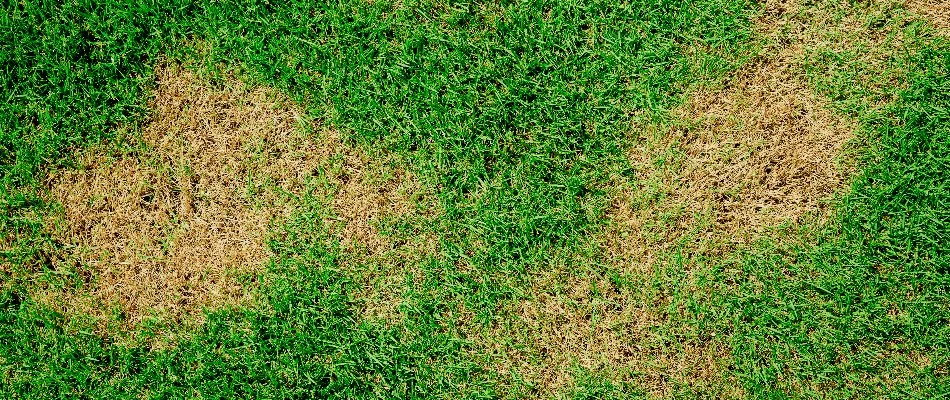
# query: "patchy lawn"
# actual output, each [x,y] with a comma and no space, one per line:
[543,199]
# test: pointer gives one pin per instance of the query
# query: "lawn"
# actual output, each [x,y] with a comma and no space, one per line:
[442,199]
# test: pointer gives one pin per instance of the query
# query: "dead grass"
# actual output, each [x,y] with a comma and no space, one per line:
[382,217]
[759,153]
[180,223]
[731,164]
[935,11]
[584,321]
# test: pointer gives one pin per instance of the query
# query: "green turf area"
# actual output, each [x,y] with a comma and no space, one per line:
[518,118]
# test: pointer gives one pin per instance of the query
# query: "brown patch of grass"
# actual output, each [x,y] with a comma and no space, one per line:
[586,321]
[372,199]
[180,224]
[758,153]
[936,11]
[583,320]
[730,165]
[174,226]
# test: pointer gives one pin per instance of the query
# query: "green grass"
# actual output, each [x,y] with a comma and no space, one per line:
[515,115]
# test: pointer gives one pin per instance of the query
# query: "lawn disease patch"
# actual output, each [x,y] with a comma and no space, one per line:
[935,11]
[172,225]
[754,155]
[861,310]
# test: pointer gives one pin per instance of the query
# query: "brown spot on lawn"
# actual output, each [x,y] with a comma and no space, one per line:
[180,223]
[759,153]
[728,166]
[935,11]
[383,218]
[762,151]
[582,320]
[733,162]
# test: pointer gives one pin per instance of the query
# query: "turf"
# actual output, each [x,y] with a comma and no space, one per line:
[864,311]
[517,117]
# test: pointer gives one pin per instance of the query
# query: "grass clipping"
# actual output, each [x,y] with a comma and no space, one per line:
[181,223]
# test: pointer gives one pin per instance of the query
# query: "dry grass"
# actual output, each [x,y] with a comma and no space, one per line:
[936,11]
[585,321]
[578,321]
[372,196]
[761,152]
[180,224]
[170,228]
